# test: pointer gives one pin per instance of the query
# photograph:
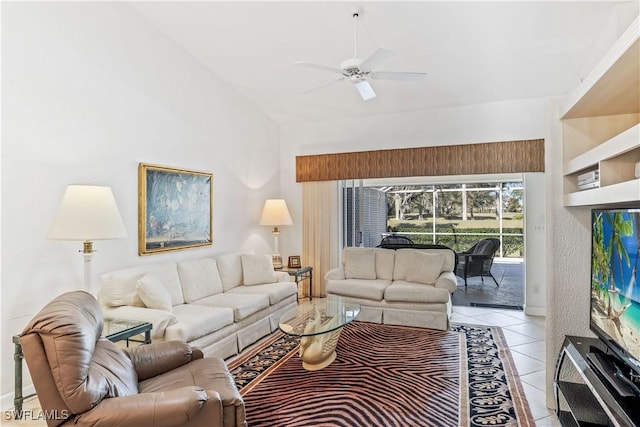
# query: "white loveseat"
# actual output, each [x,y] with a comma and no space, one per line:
[410,287]
[220,305]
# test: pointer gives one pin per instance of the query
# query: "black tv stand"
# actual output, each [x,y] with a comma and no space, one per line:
[607,366]
[589,391]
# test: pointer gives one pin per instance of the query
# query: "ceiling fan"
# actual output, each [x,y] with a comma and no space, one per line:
[359,71]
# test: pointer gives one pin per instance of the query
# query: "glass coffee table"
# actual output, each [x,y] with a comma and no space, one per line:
[319,323]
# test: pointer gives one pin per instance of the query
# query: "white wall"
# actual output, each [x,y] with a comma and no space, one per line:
[89,90]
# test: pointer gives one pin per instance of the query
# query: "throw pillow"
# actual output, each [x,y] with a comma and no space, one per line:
[426,268]
[153,294]
[385,261]
[230,270]
[258,269]
[199,278]
[359,263]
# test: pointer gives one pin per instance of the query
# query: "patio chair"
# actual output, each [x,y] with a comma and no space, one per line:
[477,260]
[395,241]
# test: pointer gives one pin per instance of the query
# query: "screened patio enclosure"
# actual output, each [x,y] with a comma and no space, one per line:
[454,214]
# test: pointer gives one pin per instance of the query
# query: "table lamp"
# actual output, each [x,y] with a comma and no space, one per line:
[87,213]
[275,214]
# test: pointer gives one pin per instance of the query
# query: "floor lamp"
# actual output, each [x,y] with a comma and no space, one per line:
[275,214]
[87,213]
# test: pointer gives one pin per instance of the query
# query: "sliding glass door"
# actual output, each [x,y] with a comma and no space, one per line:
[454,214]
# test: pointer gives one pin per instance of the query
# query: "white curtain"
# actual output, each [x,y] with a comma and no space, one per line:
[320,230]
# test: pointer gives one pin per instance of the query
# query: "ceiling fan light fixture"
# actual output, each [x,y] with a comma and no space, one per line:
[365,90]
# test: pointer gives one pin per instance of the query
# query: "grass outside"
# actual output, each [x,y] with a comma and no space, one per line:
[479,221]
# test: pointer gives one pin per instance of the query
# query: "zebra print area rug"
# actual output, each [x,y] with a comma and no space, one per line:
[386,376]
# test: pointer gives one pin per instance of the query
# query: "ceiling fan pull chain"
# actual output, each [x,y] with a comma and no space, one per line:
[355,34]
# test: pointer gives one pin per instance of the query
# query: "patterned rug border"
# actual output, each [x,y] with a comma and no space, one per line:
[257,362]
[278,348]
[516,390]
[514,377]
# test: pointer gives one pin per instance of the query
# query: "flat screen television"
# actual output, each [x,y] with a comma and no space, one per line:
[615,282]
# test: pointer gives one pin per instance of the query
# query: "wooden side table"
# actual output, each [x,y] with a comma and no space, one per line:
[300,275]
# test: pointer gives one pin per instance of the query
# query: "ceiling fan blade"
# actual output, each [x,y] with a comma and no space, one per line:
[378,57]
[320,86]
[365,90]
[393,75]
[319,67]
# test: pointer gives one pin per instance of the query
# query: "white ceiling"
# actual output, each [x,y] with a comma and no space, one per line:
[473,52]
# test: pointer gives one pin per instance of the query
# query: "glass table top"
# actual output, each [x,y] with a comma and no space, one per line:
[319,316]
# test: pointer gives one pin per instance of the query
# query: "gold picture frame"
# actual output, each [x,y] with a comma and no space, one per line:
[294,261]
[175,209]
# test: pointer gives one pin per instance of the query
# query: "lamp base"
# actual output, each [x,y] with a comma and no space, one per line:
[87,253]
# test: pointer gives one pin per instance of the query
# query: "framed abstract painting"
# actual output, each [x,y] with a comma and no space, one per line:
[175,209]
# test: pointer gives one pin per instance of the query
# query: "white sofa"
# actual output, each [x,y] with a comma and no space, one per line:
[410,287]
[220,305]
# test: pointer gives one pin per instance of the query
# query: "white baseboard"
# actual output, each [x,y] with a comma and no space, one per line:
[6,400]
[535,311]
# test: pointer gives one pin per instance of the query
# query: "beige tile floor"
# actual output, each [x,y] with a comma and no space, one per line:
[524,334]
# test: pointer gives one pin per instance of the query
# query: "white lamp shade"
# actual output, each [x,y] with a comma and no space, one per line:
[88,212]
[275,213]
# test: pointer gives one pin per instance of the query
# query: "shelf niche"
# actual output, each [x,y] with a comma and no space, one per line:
[601,128]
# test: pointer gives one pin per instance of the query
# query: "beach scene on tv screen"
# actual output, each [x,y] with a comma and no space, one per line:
[615,271]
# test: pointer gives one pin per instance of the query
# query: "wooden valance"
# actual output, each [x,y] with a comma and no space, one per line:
[467,159]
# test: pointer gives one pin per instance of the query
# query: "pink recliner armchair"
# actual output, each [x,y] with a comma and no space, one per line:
[83,379]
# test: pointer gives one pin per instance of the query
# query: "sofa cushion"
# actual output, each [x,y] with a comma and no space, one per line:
[242,307]
[385,260]
[359,263]
[230,270]
[405,260]
[194,321]
[153,293]
[120,287]
[403,291]
[257,269]
[359,288]
[449,256]
[169,276]
[199,278]
[426,268]
[449,262]
[275,291]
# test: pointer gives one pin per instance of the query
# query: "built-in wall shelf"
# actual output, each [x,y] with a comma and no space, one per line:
[618,145]
[601,127]
[616,193]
